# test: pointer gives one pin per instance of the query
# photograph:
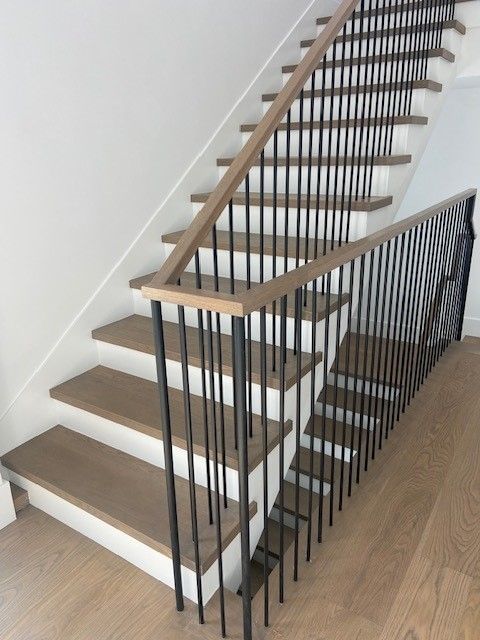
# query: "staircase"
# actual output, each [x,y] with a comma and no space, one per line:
[290,326]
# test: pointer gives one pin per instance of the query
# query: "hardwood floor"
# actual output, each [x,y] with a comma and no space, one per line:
[401,563]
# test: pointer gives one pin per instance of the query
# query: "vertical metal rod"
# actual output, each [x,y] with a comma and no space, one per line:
[283,352]
[263,403]
[160,359]
[298,340]
[239,381]
[191,466]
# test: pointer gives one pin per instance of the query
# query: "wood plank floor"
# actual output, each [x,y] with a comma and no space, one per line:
[401,563]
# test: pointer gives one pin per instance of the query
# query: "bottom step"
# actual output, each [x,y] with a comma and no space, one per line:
[120,501]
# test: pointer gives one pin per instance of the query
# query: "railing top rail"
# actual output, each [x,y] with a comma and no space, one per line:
[203,222]
[264,294]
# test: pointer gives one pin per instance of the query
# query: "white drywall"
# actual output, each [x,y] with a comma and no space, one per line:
[451,161]
[106,106]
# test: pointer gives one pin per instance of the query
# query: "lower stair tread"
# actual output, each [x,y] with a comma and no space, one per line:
[274,538]
[123,491]
[134,402]
[256,578]
[289,500]
[136,332]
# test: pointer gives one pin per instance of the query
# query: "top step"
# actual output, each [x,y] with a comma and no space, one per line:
[380,11]
[121,490]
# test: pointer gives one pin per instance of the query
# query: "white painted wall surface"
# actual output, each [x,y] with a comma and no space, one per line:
[451,161]
[106,109]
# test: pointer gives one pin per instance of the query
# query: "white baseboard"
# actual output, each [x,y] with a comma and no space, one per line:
[7,510]
[471,326]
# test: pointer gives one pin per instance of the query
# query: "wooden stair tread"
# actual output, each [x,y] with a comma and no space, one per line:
[304,466]
[351,122]
[256,578]
[454,24]
[332,434]
[136,332]
[188,279]
[19,496]
[133,402]
[438,52]
[369,203]
[386,10]
[124,491]
[274,538]
[337,91]
[289,500]
[393,347]
[351,400]
[240,244]
[341,160]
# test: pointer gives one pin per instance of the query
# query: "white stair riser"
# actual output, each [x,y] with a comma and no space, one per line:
[360,420]
[378,389]
[399,138]
[335,222]
[437,68]
[366,46]
[156,564]
[365,102]
[317,446]
[341,175]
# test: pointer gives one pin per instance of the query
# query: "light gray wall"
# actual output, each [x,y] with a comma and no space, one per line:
[105,105]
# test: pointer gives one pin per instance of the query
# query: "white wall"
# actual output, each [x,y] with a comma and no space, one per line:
[105,106]
[451,161]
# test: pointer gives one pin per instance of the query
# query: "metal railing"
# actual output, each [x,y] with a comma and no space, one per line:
[273,303]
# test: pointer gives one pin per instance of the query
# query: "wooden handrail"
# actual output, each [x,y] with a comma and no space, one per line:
[175,264]
[264,294]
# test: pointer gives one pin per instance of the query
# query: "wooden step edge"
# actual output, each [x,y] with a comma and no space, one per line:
[427,84]
[341,160]
[368,204]
[20,497]
[9,462]
[385,10]
[437,52]
[241,285]
[367,122]
[454,24]
[64,394]
[110,334]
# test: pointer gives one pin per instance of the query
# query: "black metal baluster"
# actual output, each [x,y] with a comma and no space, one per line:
[324,407]
[298,341]
[355,377]
[313,398]
[201,349]
[190,459]
[283,354]
[263,410]
[160,360]
[348,336]
[240,404]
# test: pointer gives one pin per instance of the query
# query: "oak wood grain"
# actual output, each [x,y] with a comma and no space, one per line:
[136,332]
[133,402]
[439,52]
[121,490]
